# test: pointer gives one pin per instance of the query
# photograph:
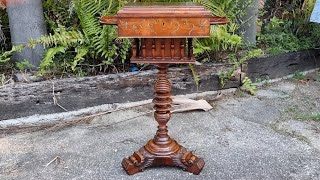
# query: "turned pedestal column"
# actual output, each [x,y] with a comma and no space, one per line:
[162,150]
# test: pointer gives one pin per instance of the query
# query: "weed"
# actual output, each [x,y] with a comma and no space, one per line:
[2,79]
[196,78]
[309,117]
[224,76]
[318,77]
[265,81]
[293,134]
[240,93]
[298,75]
[248,86]
[24,65]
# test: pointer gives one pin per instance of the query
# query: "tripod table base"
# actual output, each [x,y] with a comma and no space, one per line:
[170,154]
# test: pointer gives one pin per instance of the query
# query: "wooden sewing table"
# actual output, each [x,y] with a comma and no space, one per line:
[162,34]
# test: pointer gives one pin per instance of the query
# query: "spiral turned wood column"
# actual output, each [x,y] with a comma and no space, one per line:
[162,105]
[162,150]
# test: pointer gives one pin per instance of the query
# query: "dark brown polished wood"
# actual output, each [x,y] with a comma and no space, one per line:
[162,150]
[178,20]
[162,50]
[163,34]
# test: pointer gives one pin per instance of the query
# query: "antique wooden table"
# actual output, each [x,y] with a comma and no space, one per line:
[162,34]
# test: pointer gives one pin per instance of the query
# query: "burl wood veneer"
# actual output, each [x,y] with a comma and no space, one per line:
[162,34]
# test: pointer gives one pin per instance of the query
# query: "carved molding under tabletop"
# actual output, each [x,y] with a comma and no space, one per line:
[163,50]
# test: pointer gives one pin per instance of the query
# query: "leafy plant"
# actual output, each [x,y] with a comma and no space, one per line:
[4,27]
[277,40]
[78,44]
[60,13]
[223,37]
[24,65]
[5,64]
[91,42]
[196,77]
[298,75]
[5,57]
[224,76]
[288,28]
[310,117]
[265,81]
[248,86]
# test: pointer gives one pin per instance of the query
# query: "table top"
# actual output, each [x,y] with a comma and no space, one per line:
[163,20]
[161,4]
[154,10]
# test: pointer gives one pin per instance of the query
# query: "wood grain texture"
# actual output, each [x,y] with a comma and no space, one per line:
[26,99]
[282,65]
[163,34]
[162,50]
[144,20]
[163,27]
[162,150]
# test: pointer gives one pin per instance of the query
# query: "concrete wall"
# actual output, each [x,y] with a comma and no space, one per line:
[26,21]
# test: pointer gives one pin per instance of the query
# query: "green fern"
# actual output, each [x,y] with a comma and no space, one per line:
[5,57]
[92,41]
[61,37]
[88,40]
[48,59]
[100,38]
[81,52]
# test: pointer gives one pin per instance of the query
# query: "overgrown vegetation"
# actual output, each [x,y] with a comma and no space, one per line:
[5,66]
[286,26]
[224,76]
[223,38]
[78,45]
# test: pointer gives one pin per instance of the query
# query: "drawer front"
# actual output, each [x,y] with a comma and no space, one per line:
[163,27]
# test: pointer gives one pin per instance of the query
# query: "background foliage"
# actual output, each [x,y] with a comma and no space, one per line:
[286,26]
[78,45]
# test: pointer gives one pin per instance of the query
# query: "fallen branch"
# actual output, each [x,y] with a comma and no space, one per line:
[55,100]
[56,159]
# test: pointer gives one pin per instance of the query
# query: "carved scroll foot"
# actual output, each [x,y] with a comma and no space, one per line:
[133,164]
[193,163]
[158,155]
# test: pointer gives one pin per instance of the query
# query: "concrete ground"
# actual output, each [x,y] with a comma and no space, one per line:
[273,135]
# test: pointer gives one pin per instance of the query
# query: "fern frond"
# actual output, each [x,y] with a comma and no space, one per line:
[64,38]
[212,6]
[249,86]
[48,59]
[5,57]
[99,37]
[81,52]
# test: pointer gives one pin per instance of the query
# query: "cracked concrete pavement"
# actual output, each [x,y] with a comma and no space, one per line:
[268,136]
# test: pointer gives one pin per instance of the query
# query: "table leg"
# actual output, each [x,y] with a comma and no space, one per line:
[162,150]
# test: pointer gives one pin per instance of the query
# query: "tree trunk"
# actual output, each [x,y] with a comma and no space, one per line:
[26,21]
[249,23]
